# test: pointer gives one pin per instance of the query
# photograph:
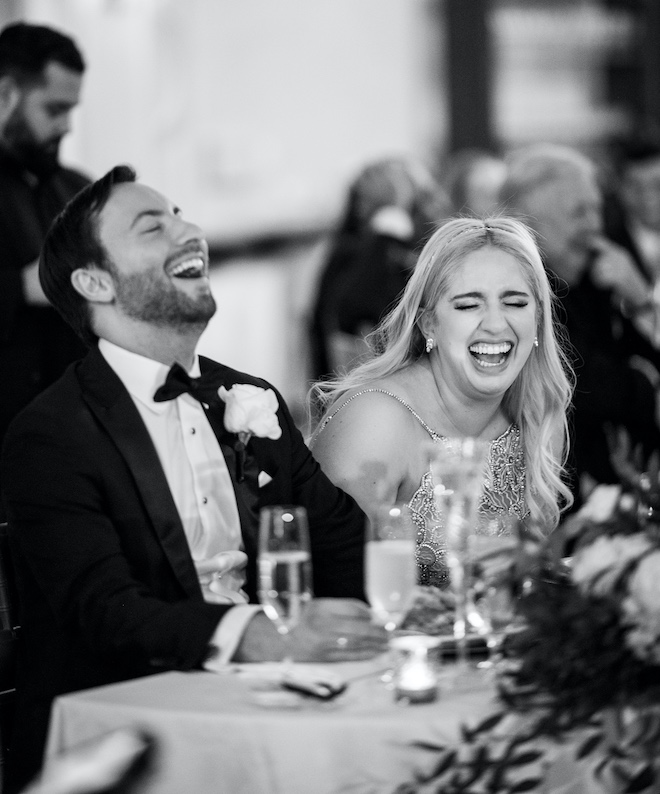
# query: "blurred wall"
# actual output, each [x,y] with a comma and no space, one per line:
[252,113]
[253,116]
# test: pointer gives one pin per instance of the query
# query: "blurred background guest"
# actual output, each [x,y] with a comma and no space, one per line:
[392,207]
[470,350]
[41,73]
[473,178]
[556,189]
[632,215]
[636,226]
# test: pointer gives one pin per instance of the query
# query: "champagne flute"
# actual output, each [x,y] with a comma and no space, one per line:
[390,567]
[458,468]
[493,552]
[285,567]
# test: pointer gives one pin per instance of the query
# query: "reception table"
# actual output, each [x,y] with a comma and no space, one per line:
[235,733]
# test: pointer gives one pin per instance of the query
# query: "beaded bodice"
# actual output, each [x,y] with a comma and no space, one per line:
[503,495]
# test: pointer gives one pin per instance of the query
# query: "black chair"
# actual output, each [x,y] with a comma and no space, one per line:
[8,640]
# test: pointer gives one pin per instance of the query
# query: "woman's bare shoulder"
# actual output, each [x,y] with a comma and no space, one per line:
[381,401]
[363,447]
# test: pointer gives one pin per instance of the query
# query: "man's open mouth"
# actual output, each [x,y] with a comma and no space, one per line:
[193,267]
[490,355]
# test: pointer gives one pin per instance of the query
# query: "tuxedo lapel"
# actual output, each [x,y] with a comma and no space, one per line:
[112,405]
[246,489]
[261,455]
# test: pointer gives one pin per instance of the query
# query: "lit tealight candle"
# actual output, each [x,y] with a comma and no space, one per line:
[415,680]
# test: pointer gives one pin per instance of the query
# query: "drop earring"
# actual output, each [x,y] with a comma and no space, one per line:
[536,341]
[430,344]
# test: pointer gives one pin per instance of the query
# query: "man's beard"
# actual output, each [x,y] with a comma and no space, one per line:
[145,297]
[40,158]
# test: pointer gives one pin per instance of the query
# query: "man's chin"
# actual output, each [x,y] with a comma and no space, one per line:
[199,314]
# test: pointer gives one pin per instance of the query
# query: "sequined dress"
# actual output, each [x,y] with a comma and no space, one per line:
[503,495]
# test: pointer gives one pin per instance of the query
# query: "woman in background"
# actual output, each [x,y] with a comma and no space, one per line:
[470,350]
[393,206]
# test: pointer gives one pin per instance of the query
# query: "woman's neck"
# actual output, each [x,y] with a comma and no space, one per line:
[462,416]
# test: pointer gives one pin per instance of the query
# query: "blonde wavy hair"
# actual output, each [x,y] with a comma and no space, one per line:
[539,399]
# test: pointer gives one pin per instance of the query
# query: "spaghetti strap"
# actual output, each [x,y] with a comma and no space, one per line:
[435,436]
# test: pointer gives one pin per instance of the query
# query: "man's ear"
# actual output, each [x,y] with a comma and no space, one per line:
[94,284]
[10,95]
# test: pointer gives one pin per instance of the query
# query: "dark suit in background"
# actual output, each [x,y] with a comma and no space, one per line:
[36,344]
[41,73]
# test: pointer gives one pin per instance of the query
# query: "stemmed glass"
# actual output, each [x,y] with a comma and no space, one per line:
[458,467]
[491,589]
[285,567]
[390,567]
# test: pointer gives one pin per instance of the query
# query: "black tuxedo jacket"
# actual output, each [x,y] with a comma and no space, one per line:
[107,585]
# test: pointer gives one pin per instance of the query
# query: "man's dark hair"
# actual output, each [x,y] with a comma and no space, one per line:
[73,242]
[26,50]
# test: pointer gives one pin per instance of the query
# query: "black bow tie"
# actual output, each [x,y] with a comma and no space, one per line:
[204,388]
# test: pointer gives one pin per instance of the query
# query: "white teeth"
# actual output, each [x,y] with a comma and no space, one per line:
[196,264]
[490,350]
[484,349]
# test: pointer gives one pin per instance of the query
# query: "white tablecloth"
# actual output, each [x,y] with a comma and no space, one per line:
[215,736]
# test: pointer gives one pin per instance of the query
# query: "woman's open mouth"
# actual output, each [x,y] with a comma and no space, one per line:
[490,355]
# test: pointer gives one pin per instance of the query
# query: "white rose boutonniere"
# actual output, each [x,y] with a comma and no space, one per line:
[250,411]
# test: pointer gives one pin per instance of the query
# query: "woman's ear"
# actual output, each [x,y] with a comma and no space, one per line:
[425,323]
[94,284]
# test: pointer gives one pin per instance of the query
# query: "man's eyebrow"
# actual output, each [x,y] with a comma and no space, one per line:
[153,213]
[59,104]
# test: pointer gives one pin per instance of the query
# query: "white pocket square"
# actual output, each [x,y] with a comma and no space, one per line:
[264,478]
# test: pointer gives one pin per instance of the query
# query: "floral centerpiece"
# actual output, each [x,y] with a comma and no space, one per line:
[586,663]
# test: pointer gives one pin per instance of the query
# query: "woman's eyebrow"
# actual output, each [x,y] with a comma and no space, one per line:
[509,293]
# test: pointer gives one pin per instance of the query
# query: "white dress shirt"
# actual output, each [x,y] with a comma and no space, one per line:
[195,469]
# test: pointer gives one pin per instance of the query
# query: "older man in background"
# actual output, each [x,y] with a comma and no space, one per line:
[41,73]
[632,214]
[604,304]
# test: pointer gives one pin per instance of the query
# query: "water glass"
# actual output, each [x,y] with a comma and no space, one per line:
[284,563]
[390,566]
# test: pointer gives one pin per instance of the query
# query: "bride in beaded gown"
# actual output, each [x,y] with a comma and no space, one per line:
[470,349]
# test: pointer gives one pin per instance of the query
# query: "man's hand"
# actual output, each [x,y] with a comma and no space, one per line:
[222,577]
[331,630]
[615,269]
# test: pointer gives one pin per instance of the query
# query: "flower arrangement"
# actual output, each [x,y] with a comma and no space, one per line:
[586,663]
